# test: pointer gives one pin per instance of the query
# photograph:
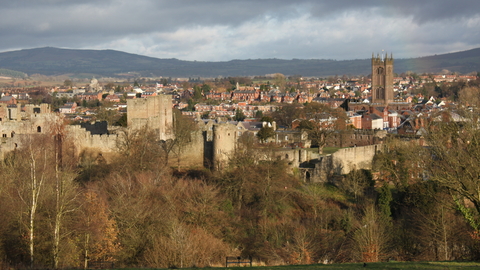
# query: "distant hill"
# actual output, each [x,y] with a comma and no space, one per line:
[54,61]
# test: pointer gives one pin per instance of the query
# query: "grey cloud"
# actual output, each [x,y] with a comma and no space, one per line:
[151,24]
[421,11]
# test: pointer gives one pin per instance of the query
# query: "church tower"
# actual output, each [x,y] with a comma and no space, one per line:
[382,79]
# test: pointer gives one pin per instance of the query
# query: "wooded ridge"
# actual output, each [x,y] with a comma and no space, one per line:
[55,61]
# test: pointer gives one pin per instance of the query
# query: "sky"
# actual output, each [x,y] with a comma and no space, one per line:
[223,30]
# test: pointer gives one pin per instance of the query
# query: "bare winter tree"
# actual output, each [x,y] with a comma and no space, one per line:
[371,235]
[454,150]
[140,151]
[321,123]
[65,187]
[35,156]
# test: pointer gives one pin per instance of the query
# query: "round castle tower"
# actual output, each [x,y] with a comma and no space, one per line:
[224,144]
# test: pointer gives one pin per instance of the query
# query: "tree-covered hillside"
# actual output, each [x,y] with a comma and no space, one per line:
[60,210]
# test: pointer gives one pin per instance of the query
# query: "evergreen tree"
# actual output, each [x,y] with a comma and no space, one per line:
[239,115]
[265,133]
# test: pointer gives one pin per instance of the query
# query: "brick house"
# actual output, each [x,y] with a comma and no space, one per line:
[112,98]
[247,95]
[383,113]
[90,96]
[372,121]
[10,100]
[355,119]
[69,107]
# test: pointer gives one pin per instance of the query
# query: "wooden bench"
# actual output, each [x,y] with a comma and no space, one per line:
[238,261]
[100,265]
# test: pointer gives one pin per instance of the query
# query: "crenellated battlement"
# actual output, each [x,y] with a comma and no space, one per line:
[84,139]
[382,59]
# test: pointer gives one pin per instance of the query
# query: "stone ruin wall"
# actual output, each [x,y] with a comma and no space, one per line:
[193,154]
[155,112]
[295,157]
[347,159]
[105,144]
[12,133]
[344,161]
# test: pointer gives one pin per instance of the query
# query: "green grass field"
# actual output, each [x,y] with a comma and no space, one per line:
[326,150]
[347,266]
[329,150]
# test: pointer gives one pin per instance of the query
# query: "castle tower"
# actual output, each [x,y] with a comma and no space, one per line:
[224,143]
[154,112]
[382,79]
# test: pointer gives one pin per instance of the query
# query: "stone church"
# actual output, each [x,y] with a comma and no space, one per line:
[381,87]
[382,80]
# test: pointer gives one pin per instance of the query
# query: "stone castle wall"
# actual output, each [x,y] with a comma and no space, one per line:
[12,133]
[15,113]
[295,157]
[193,154]
[348,159]
[155,112]
[83,139]
[344,161]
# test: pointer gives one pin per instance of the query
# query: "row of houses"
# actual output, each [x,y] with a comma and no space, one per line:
[253,94]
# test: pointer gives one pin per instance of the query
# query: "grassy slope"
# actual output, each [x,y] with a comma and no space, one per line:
[382,265]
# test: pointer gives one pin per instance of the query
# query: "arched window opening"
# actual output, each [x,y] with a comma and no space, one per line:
[307,176]
[39,129]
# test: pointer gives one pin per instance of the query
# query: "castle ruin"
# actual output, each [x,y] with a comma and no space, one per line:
[212,145]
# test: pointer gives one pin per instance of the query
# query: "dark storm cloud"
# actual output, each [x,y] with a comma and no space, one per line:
[227,29]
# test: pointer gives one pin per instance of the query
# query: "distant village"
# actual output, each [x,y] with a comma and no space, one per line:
[403,116]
